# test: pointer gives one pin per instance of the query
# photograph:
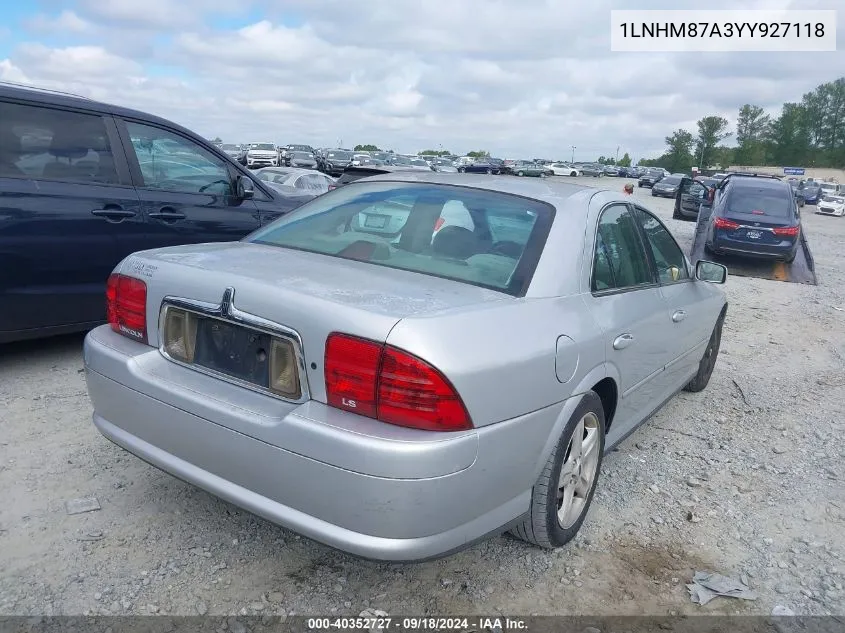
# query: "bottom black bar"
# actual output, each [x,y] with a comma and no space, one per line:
[450,624]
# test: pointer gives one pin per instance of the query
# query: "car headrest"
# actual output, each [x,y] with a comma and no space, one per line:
[69,142]
[455,242]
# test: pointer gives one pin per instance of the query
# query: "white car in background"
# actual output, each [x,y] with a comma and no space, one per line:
[262,155]
[831,205]
[830,188]
[564,169]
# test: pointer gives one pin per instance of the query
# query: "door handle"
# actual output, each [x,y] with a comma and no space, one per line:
[167,216]
[679,316]
[622,341]
[113,214]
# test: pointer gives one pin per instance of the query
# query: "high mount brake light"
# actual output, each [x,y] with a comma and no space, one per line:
[126,306]
[388,384]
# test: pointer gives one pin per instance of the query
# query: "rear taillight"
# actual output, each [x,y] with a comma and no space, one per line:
[126,306]
[390,385]
[724,223]
[786,231]
[332,187]
[437,225]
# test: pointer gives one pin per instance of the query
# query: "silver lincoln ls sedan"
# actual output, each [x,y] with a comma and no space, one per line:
[409,363]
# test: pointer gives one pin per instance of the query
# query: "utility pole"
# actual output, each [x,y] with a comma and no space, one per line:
[617,155]
[573,153]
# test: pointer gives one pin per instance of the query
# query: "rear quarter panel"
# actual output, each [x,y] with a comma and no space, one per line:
[502,359]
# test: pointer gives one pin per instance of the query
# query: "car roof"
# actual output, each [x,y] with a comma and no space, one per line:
[545,190]
[752,182]
[62,99]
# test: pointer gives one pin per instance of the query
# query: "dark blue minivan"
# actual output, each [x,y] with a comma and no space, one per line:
[83,184]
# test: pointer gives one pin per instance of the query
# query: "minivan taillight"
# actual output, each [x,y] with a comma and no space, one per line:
[126,306]
[383,382]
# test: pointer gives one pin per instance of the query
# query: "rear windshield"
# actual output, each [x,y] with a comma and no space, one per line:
[479,237]
[273,175]
[760,202]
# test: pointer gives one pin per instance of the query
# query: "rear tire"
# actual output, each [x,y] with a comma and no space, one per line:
[558,507]
[520,173]
[708,361]
[791,258]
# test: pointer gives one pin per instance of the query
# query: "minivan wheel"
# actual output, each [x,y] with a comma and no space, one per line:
[562,495]
[708,361]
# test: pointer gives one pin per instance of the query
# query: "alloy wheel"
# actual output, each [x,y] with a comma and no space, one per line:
[578,471]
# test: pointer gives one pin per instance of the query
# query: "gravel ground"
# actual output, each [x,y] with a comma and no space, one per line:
[744,479]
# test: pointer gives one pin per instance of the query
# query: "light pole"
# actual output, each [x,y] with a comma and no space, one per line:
[573,153]
[617,155]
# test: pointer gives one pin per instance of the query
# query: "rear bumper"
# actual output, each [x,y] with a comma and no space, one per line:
[412,500]
[725,244]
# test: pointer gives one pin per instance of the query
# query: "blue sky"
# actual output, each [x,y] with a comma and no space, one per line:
[520,79]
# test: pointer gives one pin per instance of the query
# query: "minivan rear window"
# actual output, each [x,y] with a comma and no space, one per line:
[752,201]
[479,237]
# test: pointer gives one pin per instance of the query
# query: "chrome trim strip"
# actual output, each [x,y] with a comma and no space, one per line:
[227,312]
[755,228]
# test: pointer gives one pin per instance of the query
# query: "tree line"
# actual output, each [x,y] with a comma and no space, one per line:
[809,133]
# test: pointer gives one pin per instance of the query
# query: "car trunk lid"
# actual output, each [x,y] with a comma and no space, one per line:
[308,293]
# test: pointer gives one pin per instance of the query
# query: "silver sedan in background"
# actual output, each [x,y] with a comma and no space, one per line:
[291,177]
[399,384]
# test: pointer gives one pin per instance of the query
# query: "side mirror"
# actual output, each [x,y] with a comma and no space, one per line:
[711,272]
[245,188]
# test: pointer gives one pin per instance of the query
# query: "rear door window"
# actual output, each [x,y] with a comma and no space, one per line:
[620,260]
[50,144]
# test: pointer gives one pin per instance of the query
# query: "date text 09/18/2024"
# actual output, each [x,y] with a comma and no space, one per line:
[422,623]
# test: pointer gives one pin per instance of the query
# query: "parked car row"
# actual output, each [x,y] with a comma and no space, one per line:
[333,161]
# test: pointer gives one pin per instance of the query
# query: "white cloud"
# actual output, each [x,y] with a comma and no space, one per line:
[67,22]
[516,78]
